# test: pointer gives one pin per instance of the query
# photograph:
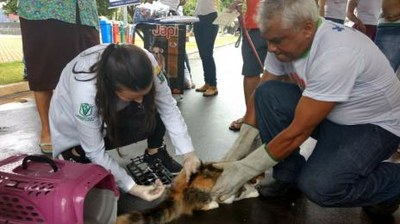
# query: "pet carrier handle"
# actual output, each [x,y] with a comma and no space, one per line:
[40,159]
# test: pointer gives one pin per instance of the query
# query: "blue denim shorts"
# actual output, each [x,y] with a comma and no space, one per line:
[251,67]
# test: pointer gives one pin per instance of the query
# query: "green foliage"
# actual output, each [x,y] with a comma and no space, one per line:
[103,10]
[189,7]
[10,7]
[225,3]
[102,6]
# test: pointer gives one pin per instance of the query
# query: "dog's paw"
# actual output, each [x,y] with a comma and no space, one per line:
[229,200]
[211,205]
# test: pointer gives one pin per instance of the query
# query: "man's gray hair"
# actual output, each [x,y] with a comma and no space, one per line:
[293,13]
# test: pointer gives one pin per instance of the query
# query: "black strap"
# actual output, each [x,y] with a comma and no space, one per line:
[40,159]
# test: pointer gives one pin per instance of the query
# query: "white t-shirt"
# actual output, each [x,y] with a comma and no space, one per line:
[205,7]
[74,120]
[368,11]
[345,66]
[335,9]
[173,4]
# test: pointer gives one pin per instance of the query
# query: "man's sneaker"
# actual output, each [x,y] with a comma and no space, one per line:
[383,209]
[70,156]
[272,188]
[163,157]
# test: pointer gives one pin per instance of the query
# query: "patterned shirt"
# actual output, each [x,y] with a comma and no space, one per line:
[63,10]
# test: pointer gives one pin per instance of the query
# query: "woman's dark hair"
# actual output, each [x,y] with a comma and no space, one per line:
[123,66]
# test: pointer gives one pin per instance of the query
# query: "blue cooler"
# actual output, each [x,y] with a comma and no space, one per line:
[106,31]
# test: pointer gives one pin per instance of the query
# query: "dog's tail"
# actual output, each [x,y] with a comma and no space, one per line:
[165,212]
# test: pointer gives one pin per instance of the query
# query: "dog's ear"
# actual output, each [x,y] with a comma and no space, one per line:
[201,165]
[199,170]
[217,166]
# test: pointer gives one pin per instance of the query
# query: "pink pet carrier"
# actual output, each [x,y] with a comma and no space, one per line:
[36,189]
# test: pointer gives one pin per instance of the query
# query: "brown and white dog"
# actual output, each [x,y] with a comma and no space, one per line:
[158,54]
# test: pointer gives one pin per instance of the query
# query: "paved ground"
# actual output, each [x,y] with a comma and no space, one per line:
[10,48]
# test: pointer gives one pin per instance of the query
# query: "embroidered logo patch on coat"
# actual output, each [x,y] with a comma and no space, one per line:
[338,28]
[160,74]
[85,112]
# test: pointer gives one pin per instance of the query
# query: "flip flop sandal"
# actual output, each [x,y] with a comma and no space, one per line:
[46,148]
[236,125]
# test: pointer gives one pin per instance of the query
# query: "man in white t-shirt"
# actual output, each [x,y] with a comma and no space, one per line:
[343,93]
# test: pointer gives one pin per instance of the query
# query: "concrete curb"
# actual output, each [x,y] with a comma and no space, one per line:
[13,88]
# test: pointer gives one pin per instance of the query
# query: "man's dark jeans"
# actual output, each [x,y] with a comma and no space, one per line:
[346,167]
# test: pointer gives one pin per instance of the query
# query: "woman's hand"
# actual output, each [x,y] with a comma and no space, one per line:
[148,193]
[190,164]
[359,25]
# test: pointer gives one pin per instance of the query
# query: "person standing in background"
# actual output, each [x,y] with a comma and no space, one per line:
[205,33]
[334,10]
[367,15]
[53,33]
[173,6]
[388,32]
[251,69]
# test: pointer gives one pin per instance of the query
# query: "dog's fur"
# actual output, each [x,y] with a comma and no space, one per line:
[185,197]
[159,56]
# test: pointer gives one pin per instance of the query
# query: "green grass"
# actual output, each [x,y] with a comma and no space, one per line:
[11,72]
